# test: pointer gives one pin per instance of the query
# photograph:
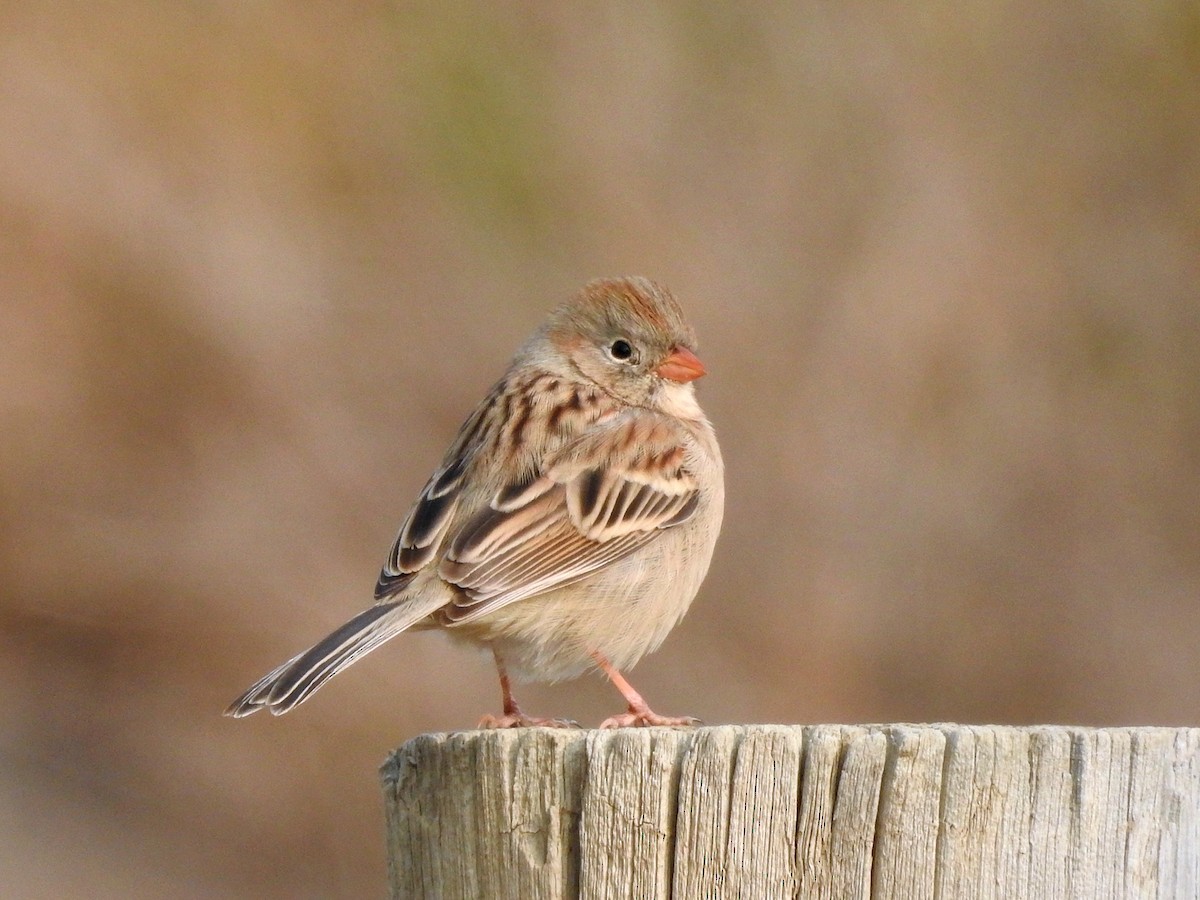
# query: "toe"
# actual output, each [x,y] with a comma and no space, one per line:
[647,719]
[624,720]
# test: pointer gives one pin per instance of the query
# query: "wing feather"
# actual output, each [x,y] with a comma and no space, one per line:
[423,528]
[595,501]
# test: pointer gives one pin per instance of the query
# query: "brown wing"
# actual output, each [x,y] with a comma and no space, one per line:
[500,426]
[423,529]
[597,500]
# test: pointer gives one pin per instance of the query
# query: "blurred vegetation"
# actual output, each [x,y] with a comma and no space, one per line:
[259,260]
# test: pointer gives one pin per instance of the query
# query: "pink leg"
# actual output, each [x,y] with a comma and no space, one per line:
[513,717]
[640,714]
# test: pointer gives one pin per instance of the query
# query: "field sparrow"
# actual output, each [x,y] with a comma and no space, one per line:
[572,520]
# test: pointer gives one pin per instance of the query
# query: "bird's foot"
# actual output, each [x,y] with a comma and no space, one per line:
[646,718]
[520,720]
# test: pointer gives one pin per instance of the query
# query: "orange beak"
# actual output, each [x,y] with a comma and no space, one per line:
[682,366]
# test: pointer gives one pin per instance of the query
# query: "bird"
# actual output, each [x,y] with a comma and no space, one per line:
[570,524]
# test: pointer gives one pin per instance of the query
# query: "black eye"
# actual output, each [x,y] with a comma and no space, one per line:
[621,349]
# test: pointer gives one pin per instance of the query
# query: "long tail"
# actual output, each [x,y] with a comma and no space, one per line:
[291,684]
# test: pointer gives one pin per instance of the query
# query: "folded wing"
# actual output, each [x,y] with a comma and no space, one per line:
[593,502]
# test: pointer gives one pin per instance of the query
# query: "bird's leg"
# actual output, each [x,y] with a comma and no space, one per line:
[640,713]
[513,717]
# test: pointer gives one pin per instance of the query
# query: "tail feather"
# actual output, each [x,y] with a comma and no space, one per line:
[289,685]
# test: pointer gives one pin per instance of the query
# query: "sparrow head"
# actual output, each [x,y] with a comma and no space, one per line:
[629,337]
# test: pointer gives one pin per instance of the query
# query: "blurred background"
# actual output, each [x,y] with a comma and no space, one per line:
[258,260]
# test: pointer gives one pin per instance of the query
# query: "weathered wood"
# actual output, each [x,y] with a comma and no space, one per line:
[823,811]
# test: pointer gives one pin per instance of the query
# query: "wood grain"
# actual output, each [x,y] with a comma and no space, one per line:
[822,811]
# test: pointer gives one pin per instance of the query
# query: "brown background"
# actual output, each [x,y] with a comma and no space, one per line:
[258,261]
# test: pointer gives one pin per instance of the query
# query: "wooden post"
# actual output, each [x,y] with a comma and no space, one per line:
[829,811]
